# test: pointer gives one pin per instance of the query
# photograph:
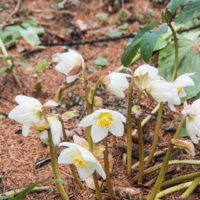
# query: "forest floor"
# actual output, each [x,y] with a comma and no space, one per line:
[18,154]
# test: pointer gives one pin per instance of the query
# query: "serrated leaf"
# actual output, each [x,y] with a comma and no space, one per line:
[26,191]
[41,66]
[115,33]
[149,40]
[132,49]
[190,11]
[103,16]
[189,61]
[101,61]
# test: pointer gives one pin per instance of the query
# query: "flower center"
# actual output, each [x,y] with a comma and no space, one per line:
[104,120]
[180,89]
[37,111]
[79,161]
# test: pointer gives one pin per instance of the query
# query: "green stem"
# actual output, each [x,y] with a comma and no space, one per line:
[174,73]
[129,128]
[191,188]
[72,168]
[107,170]
[172,189]
[156,134]
[180,179]
[164,167]
[89,108]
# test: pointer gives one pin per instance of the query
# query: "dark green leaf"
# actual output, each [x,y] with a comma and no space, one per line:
[149,40]
[3,69]
[190,11]
[132,49]
[173,5]
[103,16]
[189,61]
[26,191]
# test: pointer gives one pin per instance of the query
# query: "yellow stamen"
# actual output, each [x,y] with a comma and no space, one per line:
[180,89]
[104,120]
[78,160]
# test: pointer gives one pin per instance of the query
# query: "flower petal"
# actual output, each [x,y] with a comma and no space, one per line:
[117,128]
[98,133]
[87,120]
[26,129]
[86,172]
[65,156]
[22,99]
[100,170]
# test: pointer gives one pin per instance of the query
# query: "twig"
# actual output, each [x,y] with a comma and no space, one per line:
[15,10]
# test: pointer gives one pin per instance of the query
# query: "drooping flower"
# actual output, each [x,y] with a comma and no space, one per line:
[56,130]
[192,114]
[116,83]
[27,112]
[103,121]
[163,91]
[182,81]
[83,159]
[144,74]
[69,63]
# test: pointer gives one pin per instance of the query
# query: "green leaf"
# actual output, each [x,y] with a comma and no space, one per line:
[103,16]
[123,26]
[149,40]
[115,33]
[132,49]
[61,181]
[3,69]
[183,132]
[190,11]
[41,66]
[189,61]
[173,5]
[101,61]
[27,190]
[30,35]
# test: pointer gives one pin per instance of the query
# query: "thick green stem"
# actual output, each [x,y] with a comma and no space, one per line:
[54,164]
[191,188]
[164,167]
[174,73]
[107,170]
[156,134]
[129,127]
[72,168]
[180,179]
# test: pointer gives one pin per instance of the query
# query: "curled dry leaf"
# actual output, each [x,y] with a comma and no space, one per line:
[130,191]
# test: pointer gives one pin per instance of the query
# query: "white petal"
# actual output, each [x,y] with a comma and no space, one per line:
[117,128]
[86,172]
[70,79]
[98,133]
[26,129]
[62,68]
[118,116]
[184,80]
[22,99]
[171,107]
[87,120]
[65,156]
[100,170]
[50,103]
[44,135]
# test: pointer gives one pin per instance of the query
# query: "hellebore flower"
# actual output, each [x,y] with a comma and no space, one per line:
[192,113]
[163,91]
[103,121]
[69,63]
[83,159]
[116,83]
[27,112]
[56,130]
[144,74]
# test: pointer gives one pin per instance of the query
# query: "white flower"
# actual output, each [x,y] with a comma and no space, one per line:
[117,83]
[103,121]
[192,113]
[69,63]
[182,81]
[27,112]
[144,74]
[56,130]
[83,159]
[163,91]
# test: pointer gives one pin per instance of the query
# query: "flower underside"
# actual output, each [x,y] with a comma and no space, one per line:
[37,111]
[79,161]
[105,120]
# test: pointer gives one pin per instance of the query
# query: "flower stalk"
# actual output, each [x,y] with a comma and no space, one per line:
[191,188]
[164,167]
[72,168]
[129,127]
[54,163]
[156,134]
[107,170]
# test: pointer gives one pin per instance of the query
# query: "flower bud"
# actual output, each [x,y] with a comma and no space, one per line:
[98,101]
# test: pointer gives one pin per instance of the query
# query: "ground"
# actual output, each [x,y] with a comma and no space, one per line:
[18,154]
